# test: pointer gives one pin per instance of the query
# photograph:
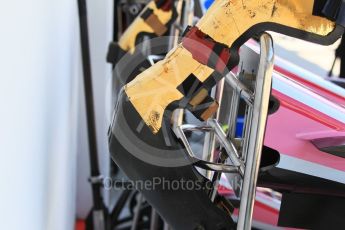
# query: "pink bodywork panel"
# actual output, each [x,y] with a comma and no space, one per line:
[291,129]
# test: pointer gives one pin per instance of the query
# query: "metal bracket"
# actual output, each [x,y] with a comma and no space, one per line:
[245,160]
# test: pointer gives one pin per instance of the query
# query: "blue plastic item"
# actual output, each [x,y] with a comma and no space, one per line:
[208,3]
[239,126]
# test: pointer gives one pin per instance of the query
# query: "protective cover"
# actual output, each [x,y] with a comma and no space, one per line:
[140,137]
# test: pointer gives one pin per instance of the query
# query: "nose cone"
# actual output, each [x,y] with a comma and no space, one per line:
[159,167]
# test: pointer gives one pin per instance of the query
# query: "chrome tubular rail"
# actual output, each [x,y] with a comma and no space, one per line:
[257,132]
[243,155]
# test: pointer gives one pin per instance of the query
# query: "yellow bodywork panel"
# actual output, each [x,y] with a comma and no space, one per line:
[139,25]
[154,89]
[227,20]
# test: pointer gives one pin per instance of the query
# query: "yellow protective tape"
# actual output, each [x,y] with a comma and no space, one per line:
[227,20]
[158,27]
[212,109]
[127,40]
[154,89]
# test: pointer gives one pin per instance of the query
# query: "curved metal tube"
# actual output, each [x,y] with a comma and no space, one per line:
[260,106]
